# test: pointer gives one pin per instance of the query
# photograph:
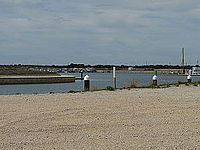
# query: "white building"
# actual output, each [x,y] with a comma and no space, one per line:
[196,70]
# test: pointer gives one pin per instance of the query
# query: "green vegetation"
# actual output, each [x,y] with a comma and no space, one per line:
[166,86]
[177,84]
[110,88]
[195,84]
[71,91]
[99,66]
[187,84]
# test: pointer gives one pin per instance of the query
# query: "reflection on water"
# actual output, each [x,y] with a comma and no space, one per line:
[98,81]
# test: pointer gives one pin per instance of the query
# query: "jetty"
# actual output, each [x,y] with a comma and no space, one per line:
[6,80]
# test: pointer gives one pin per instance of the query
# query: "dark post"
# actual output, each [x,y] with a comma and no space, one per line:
[155,82]
[81,74]
[189,78]
[86,83]
[183,60]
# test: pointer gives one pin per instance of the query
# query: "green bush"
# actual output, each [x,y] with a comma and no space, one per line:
[187,84]
[71,91]
[177,84]
[195,84]
[167,86]
[110,88]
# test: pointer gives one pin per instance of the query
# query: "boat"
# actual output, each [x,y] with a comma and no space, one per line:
[195,71]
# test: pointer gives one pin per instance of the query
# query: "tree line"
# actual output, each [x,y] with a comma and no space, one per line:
[100,66]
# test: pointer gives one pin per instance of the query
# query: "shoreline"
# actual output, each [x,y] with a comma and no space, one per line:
[161,86]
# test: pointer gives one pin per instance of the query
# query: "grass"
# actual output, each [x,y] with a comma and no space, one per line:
[71,91]
[177,85]
[195,84]
[187,84]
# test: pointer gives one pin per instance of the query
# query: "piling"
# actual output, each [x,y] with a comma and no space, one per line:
[86,83]
[154,80]
[189,78]
[81,74]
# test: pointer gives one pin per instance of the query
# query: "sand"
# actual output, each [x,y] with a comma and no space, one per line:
[105,120]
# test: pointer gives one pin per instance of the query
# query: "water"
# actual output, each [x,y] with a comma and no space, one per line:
[98,81]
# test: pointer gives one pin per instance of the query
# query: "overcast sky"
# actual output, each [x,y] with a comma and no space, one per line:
[99,31]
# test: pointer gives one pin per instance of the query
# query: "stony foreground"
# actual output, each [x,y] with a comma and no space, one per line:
[120,120]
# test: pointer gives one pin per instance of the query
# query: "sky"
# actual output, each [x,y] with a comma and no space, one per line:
[126,32]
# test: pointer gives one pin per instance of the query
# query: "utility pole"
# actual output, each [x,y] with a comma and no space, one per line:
[183,60]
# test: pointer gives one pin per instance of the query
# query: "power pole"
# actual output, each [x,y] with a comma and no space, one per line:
[183,60]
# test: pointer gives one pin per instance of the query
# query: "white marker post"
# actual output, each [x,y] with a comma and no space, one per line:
[189,78]
[81,75]
[155,82]
[86,83]
[114,78]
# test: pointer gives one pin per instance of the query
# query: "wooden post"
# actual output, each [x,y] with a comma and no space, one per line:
[183,60]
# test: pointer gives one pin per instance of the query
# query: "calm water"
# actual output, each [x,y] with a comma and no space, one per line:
[98,80]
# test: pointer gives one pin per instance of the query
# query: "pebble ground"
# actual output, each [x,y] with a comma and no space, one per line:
[158,119]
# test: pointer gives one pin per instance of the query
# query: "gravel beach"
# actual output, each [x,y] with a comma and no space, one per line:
[164,119]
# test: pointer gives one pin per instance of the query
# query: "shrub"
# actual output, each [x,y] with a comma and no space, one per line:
[167,86]
[187,84]
[71,91]
[195,84]
[177,85]
[110,88]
